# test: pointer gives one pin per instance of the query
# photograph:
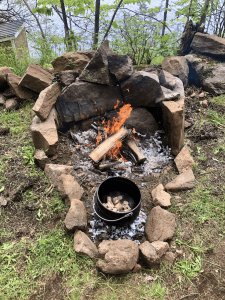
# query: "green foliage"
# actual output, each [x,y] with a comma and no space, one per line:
[140,38]
[28,154]
[77,7]
[189,269]
[8,57]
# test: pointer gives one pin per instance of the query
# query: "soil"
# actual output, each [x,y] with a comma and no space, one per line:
[21,212]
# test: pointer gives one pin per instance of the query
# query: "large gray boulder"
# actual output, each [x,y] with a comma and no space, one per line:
[141,89]
[82,100]
[142,120]
[177,66]
[209,44]
[120,256]
[121,66]
[208,74]
[97,70]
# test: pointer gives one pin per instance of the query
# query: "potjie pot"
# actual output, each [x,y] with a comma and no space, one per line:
[116,186]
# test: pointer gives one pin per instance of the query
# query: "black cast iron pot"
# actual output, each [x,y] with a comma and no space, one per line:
[115,186]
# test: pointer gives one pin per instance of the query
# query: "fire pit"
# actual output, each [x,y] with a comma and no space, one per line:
[116,187]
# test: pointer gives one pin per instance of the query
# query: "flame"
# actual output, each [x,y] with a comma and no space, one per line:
[128,90]
[99,138]
[117,104]
[114,125]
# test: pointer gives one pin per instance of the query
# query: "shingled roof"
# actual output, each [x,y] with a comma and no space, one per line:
[9,29]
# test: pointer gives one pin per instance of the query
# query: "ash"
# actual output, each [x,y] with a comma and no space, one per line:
[158,156]
[101,231]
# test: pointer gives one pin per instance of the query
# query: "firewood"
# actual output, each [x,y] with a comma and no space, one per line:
[140,157]
[108,166]
[97,154]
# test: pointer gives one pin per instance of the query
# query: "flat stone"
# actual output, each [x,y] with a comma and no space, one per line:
[3,201]
[69,188]
[82,100]
[54,171]
[120,256]
[83,245]
[208,44]
[173,122]
[4,71]
[160,197]
[142,120]
[11,104]
[167,95]
[46,100]
[168,258]
[89,53]
[76,217]
[97,70]
[161,247]
[184,181]
[160,225]
[121,66]
[44,134]
[177,66]
[141,89]
[149,254]
[41,158]
[184,160]
[70,61]
[20,91]
[36,78]
[67,77]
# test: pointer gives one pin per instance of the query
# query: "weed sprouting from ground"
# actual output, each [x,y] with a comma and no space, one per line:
[189,269]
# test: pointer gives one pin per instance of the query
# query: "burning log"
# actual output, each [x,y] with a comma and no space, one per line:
[97,154]
[140,157]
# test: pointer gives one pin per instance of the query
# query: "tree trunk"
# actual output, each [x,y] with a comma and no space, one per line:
[66,27]
[205,10]
[165,17]
[97,13]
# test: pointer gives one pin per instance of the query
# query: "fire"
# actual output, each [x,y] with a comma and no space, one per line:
[117,104]
[114,125]
[99,138]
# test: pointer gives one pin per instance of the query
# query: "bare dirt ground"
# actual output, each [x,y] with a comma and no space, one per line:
[32,220]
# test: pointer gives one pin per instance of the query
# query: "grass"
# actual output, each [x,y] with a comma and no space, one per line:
[219,100]
[216,118]
[189,269]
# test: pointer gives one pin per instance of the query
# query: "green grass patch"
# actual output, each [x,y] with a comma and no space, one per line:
[18,121]
[189,269]
[203,205]
[219,100]
[216,118]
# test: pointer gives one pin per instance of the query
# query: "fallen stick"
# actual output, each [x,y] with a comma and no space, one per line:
[102,149]
[131,144]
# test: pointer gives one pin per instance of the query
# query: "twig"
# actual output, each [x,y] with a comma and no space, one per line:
[193,294]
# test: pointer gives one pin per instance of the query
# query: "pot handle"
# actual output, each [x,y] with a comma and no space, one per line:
[124,217]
